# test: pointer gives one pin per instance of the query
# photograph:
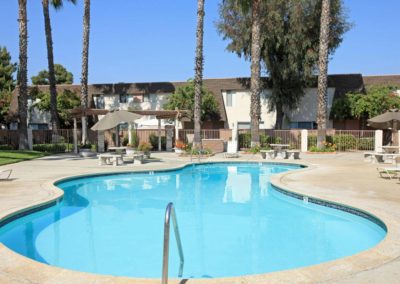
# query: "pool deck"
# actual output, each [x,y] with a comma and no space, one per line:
[342,178]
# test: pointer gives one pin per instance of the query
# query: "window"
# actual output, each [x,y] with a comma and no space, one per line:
[99,101]
[123,99]
[303,125]
[229,99]
[38,126]
[247,125]
[146,98]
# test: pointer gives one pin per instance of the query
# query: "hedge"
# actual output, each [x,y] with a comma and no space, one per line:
[154,142]
[50,148]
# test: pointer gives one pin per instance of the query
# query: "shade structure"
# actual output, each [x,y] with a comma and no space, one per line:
[387,120]
[113,119]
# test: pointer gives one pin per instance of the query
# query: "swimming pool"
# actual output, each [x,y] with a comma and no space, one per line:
[232,222]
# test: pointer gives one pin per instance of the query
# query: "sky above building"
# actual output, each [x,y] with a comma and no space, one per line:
[148,41]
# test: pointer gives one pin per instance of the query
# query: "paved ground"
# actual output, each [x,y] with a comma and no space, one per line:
[343,178]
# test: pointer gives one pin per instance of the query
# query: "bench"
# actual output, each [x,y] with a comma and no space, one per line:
[369,156]
[381,157]
[137,158]
[293,154]
[110,159]
[268,154]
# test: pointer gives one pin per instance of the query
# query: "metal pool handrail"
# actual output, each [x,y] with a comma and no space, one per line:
[198,156]
[170,212]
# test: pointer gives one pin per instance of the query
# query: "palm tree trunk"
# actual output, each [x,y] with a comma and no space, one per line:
[198,78]
[85,66]
[23,75]
[50,58]
[323,72]
[255,82]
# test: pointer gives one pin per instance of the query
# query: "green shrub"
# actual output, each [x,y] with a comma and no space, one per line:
[244,140]
[255,149]
[145,146]
[50,148]
[135,139]
[312,141]
[366,143]
[154,141]
[85,146]
[265,140]
[323,149]
[6,147]
[125,141]
[345,142]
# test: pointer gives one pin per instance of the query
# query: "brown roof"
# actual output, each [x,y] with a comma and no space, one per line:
[163,114]
[382,80]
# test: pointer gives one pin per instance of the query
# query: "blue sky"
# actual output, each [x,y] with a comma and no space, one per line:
[142,41]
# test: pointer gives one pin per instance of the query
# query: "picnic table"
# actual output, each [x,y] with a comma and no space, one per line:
[110,159]
[383,157]
[280,152]
[391,149]
[118,150]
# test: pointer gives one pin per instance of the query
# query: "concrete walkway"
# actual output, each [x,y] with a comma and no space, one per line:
[343,178]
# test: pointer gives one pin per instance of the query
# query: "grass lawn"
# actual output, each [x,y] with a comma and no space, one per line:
[10,157]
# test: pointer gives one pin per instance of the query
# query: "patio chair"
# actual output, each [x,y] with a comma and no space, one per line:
[388,172]
[5,174]
[231,151]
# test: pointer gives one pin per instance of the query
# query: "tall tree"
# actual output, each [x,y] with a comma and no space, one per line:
[198,78]
[62,76]
[252,8]
[323,72]
[7,82]
[57,4]
[85,66]
[22,76]
[184,99]
[289,44]
[255,81]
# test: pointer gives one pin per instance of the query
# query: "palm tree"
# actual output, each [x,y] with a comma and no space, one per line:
[23,75]
[198,78]
[57,4]
[85,66]
[323,72]
[255,54]
[255,81]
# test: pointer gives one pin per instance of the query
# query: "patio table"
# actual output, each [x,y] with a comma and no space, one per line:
[280,150]
[118,150]
[391,149]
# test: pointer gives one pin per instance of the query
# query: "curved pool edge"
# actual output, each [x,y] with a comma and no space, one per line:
[374,257]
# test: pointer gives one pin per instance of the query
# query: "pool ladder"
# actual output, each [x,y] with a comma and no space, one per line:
[199,156]
[170,213]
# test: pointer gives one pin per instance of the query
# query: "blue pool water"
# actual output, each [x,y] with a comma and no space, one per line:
[232,222]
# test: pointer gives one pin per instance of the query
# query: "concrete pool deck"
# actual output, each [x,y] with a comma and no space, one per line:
[342,178]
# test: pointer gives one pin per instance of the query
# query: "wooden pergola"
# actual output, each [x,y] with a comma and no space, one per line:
[164,114]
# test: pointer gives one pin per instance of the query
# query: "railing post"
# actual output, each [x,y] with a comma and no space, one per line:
[75,136]
[304,140]
[378,140]
[170,213]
